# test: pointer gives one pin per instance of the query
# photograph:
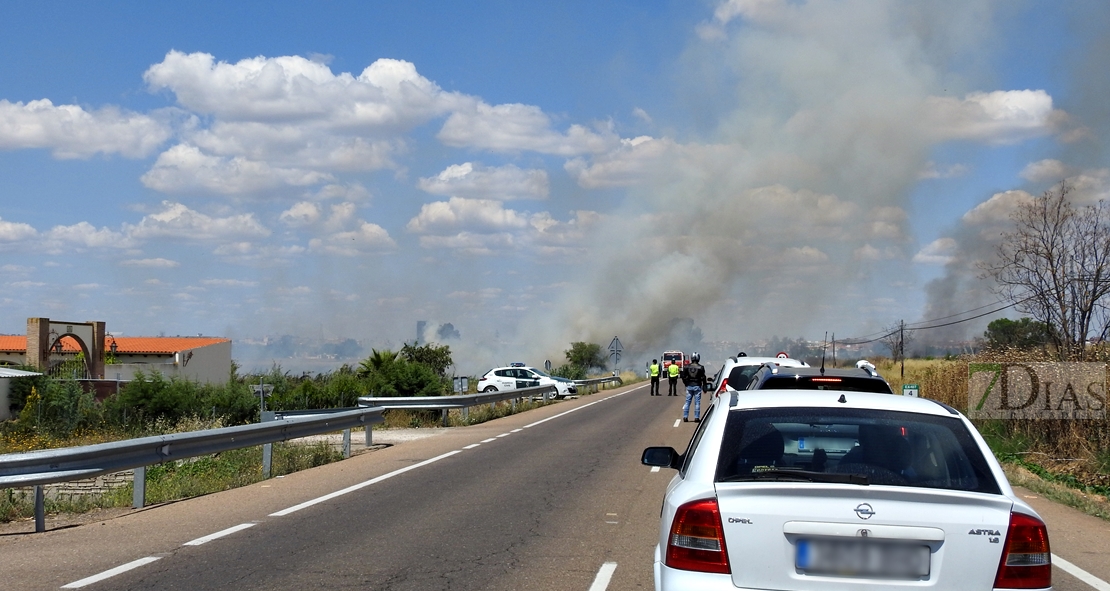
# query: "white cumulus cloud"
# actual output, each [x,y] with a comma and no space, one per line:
[515,127]
[180,222]
[475,181]
[70,131]
[155,263]
[480,214]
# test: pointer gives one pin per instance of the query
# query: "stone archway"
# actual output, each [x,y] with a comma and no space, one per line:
[43,333]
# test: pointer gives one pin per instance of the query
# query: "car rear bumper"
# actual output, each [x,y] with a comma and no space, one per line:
[670,579]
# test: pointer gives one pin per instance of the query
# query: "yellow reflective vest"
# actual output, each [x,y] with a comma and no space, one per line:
[654,369]
[672,370]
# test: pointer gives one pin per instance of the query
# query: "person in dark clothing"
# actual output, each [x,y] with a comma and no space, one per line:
[693,377]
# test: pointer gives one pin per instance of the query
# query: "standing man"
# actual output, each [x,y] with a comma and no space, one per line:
[653,371]
[693,376]
[672,378]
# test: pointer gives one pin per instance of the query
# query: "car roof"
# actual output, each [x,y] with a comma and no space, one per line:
[767,399]
[783,361]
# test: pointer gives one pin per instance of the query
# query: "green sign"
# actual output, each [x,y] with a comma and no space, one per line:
[910,390]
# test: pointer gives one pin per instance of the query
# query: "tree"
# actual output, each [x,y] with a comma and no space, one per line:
[896,339]
[436,357]
[585,355]
[1055,266]
[1026,333]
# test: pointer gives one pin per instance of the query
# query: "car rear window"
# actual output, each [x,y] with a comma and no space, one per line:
[851,384]
[889,448]
[740,375]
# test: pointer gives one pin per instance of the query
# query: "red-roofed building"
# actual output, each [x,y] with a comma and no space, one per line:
[200,359]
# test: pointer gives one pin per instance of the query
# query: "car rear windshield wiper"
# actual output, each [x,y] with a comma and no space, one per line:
[799,476]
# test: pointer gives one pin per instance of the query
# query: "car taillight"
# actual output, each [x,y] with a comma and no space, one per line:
[697,540]
[1026,559]
[724,382]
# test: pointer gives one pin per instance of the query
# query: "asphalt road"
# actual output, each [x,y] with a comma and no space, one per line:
[550,499]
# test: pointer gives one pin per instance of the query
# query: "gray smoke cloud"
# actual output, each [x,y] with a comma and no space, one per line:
[818,119]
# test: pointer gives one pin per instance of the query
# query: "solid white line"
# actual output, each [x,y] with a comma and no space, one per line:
[655,468]
[472,446]
[677,422]
[361,485]
[563,414]
[489,440]
[1080,574]
[219,534]
[604,575]
[111,573]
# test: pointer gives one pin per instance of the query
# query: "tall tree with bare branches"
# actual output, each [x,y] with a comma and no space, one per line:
[1055,266]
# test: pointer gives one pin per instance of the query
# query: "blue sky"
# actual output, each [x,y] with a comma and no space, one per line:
[534,173]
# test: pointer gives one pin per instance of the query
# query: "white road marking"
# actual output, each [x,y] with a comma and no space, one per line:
[472,446]
[361,485]
[655,468]
[1080,574]
[112,572]
[219,534]
[604,575]
[563,414]
[489,440]
[502,435]
[677,422]
[516,431]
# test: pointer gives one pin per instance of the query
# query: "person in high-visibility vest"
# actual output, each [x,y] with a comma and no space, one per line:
[653,372]
[672,378]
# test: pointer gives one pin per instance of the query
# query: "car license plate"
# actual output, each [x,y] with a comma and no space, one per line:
[855,558]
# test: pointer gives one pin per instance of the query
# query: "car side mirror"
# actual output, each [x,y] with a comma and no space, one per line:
[662,457]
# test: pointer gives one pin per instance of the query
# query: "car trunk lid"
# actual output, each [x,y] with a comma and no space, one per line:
[833,536]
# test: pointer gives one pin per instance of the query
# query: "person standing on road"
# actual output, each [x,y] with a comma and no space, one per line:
[672,378]
[693,377]
[653,371]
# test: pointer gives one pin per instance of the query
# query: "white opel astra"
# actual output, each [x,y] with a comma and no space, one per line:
[829,490]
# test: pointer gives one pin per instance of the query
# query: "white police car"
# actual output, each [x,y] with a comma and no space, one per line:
[518,375]
[839,490]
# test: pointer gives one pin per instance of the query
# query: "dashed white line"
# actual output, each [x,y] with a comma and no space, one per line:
[111,572]
[489,440]
[361,485]
[1080,574]
[516,431]
[502,435]
[219,534]
[677,422]
[655,468]
[604,575]
[472,446]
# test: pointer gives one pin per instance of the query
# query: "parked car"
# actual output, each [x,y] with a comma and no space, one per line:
[521,376]
[737,371]
[777,377]
[838,490]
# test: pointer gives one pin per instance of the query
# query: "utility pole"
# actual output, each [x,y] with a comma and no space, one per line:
[902,346]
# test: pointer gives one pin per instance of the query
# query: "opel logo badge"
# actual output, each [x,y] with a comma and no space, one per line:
[864,511]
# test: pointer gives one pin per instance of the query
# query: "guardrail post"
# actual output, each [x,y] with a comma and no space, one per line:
[40,509]
[466,413]
[138,494]
[369,436]
[513,402]
[346,443]
[267,448]
[445,411]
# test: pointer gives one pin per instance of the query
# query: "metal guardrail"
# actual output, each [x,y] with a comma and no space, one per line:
[461,401]
[36,468]
[593,383]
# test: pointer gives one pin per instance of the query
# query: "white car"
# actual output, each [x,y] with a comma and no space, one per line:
[834,490]
[522,376]
[736,371]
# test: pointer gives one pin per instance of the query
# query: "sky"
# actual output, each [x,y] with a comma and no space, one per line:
[534,173]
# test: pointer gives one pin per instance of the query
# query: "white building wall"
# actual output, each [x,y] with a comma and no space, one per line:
[210,364]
